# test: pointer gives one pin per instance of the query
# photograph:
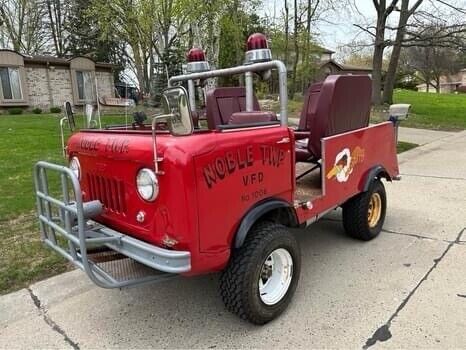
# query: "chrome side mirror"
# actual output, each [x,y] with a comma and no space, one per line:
[175,103]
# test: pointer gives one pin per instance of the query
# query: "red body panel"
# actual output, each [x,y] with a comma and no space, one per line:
[245,168]
[364,149]
[212,179]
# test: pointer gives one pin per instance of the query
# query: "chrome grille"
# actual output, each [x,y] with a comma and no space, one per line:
[110,192]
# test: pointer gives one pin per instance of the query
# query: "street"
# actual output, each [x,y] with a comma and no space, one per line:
[405,289]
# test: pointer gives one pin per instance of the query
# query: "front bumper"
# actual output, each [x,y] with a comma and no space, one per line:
[66,227]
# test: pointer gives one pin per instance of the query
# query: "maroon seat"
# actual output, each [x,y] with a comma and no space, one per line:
[239,118]
[223,102]
[343,104]
[310,99]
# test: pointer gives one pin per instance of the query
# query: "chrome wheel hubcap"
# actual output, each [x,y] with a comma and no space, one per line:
[275,277]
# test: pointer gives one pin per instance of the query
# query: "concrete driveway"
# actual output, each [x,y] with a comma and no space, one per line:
[405,289]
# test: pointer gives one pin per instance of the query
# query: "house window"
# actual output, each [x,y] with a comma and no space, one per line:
[85,85]
[10,83]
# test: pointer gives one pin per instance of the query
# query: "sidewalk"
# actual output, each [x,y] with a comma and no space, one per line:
[418,136]
[422,136]
[405,289]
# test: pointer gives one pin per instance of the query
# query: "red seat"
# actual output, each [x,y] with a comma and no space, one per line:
[223,102]
[343,104]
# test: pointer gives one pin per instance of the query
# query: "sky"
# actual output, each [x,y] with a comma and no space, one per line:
[339,30]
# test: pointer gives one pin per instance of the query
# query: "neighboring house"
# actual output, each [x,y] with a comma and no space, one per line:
[47,81]
[448,83]
[328,66]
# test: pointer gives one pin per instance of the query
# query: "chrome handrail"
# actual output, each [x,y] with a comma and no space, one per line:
[62,135]
[255,67]
[154,141]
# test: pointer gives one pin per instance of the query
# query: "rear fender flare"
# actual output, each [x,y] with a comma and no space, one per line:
[375,172]
[259,211]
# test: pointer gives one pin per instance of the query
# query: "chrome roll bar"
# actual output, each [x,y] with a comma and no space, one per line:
[255,67]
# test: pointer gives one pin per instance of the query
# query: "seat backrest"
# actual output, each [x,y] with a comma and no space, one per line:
[310,99]
[239,118]
[223,102]
[344,104]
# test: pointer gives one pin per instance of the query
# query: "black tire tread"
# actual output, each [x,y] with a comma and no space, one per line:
[232,282]
[355,213]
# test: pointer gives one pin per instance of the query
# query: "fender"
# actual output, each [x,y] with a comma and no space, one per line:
[255,214]
[377,171]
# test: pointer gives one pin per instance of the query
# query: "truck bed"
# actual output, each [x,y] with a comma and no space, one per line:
[308,187]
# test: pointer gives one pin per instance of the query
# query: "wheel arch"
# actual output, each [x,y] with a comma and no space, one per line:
[375,172]
[277,210]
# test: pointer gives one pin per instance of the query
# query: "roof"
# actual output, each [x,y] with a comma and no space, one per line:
[324,50]
[347,67]
[59,61]
[353,67]
[47,59]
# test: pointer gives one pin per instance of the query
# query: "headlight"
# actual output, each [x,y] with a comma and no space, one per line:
[148,187]
[75,167]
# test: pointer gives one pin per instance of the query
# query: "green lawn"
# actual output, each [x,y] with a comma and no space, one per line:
[25,139]
[428,111]
[434,111]
[405,146]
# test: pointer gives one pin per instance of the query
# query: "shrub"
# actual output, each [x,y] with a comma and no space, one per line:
[14,111]
[37,111]
[55,109]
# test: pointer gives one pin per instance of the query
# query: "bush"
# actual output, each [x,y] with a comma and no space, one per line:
[55,109]
[14,111]
[37,111]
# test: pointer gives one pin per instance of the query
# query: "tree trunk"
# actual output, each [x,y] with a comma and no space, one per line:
[139,65]
[390,77]
[287,33]
[377,62]
[296,50]
[377,59]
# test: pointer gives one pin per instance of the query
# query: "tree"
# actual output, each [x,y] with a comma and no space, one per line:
[58,15]
[405,13]
[432,63]
[410,31]
[22,26]
[86,38]
[135,24]
[378,34]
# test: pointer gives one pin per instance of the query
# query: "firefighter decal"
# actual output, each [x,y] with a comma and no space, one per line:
[345,161]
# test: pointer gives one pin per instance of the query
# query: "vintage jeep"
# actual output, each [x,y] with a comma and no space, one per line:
[147,202]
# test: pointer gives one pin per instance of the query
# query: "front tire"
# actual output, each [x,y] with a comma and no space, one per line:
[262,275]
[364,214]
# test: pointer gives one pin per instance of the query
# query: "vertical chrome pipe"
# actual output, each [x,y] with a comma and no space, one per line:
[192,95]
[248,79]
[283,91]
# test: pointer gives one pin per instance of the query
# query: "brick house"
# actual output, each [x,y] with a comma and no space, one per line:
[448,83]
[47,81]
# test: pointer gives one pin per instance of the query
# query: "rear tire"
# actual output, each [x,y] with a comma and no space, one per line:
[364,214]
[262,275]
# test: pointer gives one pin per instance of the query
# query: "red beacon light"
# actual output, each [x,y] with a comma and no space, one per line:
[257,49]
[197,61]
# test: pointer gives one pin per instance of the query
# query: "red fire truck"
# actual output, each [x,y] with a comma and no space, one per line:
[215,188]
